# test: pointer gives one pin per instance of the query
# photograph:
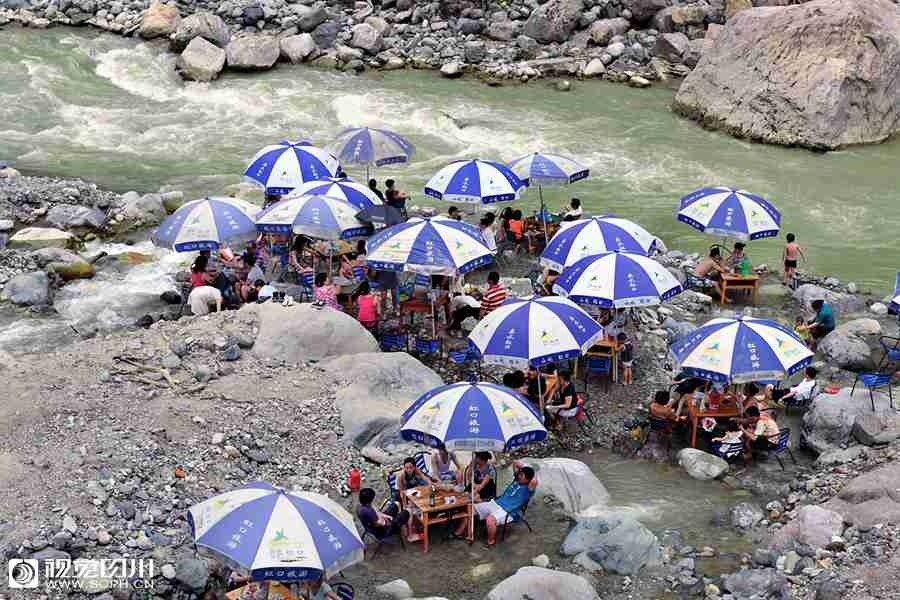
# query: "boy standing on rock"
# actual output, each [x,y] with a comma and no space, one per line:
[792,253]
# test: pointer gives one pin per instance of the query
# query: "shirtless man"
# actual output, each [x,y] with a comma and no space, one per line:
[710,267]
[792,254]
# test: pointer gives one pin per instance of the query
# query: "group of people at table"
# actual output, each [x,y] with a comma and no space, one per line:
[753,406]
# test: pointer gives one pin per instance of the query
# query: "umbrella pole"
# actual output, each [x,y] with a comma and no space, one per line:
[543,217]
[540,395]
[367,173]
[472,489]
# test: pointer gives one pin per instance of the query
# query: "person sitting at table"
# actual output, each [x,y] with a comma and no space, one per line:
[754,396]
[661,408]
[760,433]
[737,257]
[801,391]
[382,524]
[710,269]
[446,465]
[317,589]
[821,325]
[302,258]
[485,476]
[685,387]
[495,512]
[368,309]
[394,197]
[411,477]
[488,237]
[564,401]
[574,211]
[326,293]
[506,216]
[514,380]
[733,433]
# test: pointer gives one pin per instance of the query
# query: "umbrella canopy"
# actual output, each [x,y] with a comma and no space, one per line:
[287,165]
[617,279]
[320,217]
[474,182]
[438,245]
[473,416]
[548,169]
[357,194]
[380,216]
[276,534]
[207,223]
[895,301]
[730,213]
[375,147]
[534,331]
[595,235]
[741,350]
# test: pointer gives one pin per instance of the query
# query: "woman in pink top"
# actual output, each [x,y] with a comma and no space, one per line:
[367,305]
[326,292]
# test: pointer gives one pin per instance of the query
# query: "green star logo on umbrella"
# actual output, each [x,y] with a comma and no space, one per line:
[280,538]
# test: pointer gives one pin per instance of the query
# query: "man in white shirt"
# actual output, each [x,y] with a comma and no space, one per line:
[801,391]
[574,213]
[463,306]
[202,298]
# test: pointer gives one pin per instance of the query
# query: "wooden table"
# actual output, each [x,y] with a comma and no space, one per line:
[442,511]
[726,411]
[607,348]
[732,281]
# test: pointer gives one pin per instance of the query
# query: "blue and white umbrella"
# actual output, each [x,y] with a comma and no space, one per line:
[473,416]
[595,235]
[372,147]
[536,331]
[475,182]
[206,224]
[320,217]
[438,245]
[617,279]
[548,169]
[730,213]
[276,534]
[287,165]
[741,350]
[357,194]
[895,301]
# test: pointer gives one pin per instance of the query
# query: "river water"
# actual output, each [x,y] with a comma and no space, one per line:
[112,110]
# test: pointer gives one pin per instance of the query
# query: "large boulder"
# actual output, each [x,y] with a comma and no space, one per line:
[671,46]
[644,10]
[604,30]
[34,238]
[297,48]
[841,303]
[252,52]
[537,583]
[159,20]
[846,351]
[136,211]
[554,21]
[702,465]
[367,38]
[823,75]
[813,526]
[876,430]
[828,423]
[75,217]
[376,388]
[46,256]
[310,17]
[27,289]
[614,540]
[755,584]
[304,333]
[570,481]
[871,498]
[201,24]
[201,60]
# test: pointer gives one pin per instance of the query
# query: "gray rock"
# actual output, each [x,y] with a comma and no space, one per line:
[35,238]
[312,17]
[746,515]
[45,256]
[554,21]
[451,70]
[475,52]
[27,289]
[747,82]
[847,351]
[543,584]
[50,554]
[297,48]
[192,574]
[702,465]
[201,60]
[6,225]
[159,20]
[367,38]
[671,46]
[604,30]
[470,26]
[398,589]
[231,353]
[201,24]
[136,211]
[501,31]
[325,34]
[252,52]
[876,430]
[570,482]
[74,216]
[828,423]
[615,540]
[870,498]
[813,526]
[752,584]
[644,10]
[594,68]
[691,57]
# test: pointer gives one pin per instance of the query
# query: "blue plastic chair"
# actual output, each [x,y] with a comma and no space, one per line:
[873,381]
[423,280]
[597,365]
[516,517]
[307,283]
[783,445]
[731,451]
[466,358]
[343,590]
[427,346]
[359,273]
[395,342]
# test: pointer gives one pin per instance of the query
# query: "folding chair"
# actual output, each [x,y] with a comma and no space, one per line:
[516,517]
[731,452]
[343,590]
[395,342]
[873,381]
[422,462]
[597,365]
[428,347]
[783,445]
[307,283]
[468,360]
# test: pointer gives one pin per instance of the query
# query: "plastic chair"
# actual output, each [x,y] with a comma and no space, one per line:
[359,273]
[422,462]
[307,283]
[467,359]
[423,280]
[395,342]
[783,445]
[597,365]
[873,381]
[731,451]
[343,590]
[516,517]
[427,346]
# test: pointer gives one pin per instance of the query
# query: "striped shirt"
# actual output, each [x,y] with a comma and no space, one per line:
[493,297]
